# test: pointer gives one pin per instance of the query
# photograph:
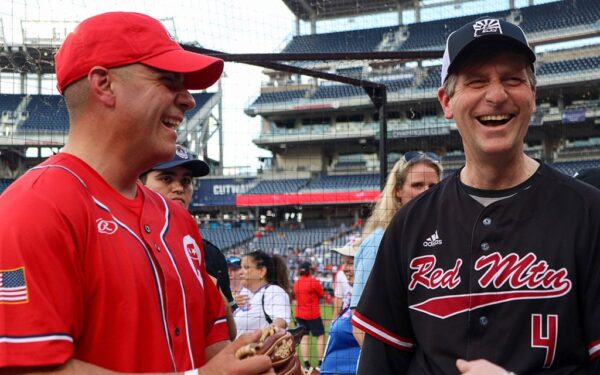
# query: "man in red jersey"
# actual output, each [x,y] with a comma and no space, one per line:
[110,276]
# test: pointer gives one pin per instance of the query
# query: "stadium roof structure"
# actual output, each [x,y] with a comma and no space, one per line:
[309,10]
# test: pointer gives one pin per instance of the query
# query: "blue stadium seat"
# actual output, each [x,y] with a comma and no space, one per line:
[226,238]
[287,186]
[47,113]
[347,182]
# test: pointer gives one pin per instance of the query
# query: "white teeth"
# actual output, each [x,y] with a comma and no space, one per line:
[494,117]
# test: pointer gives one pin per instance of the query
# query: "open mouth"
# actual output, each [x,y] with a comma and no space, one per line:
[494,120]
[171,123]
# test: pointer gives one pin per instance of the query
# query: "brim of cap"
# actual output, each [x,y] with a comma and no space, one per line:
[200,71]
[198,167]
[349,251]
[487,39]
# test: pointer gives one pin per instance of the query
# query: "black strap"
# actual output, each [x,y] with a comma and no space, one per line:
[269,320]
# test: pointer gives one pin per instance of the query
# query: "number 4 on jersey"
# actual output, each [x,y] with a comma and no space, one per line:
[545,338]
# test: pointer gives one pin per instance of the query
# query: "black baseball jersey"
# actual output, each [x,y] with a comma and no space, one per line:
[516,282]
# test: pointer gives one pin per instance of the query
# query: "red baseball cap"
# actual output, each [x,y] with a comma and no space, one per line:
[121,38]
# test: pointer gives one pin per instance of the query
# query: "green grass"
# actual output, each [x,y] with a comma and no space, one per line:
[326,315]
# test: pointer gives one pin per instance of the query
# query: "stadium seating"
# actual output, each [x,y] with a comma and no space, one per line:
[278,186]
[9,102]
[432,79]
[570,167]
[282,241]
[4,183]
[344,41]
[47,113]
[344,183]
[280,96]
[431,35]
[201,99]
[569,66]
[226,238]
[560,15]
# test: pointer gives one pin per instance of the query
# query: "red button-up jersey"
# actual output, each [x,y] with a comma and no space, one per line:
[114,282]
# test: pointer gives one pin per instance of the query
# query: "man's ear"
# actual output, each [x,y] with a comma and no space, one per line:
[100,81]
[444,100]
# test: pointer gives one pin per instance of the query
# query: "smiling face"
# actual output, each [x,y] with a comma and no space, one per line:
[153,102]
[492,103]
[173,183]
[348,268]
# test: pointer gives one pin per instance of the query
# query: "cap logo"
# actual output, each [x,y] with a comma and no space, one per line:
[487,26]
[181,152]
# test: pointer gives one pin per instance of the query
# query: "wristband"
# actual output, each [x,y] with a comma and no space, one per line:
[191,372]
[507,373]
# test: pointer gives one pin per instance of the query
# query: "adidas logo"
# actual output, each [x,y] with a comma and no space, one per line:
[433,240]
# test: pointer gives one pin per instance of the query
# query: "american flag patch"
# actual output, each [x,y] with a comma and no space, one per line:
[13,287]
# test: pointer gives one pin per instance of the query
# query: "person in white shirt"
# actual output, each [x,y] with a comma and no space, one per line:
[264,298]
[342,292]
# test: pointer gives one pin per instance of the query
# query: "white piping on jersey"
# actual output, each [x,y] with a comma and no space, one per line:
[132,233]
[61,167]
[154,272]
[594,349]
[163,231]
[381,333]
[28,339]
[219,321]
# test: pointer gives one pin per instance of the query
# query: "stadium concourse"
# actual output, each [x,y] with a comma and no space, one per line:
[314,191]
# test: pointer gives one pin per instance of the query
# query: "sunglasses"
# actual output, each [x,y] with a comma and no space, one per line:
[417,155]
[234,261]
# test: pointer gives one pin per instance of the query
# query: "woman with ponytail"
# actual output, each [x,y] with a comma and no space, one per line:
[264,298]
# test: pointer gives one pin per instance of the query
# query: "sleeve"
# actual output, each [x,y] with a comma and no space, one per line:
[215,308]
[590,294]
[363,264]
[378,358]
[277,303]
[219,330]
[41,303]
[319,289]
[383,310]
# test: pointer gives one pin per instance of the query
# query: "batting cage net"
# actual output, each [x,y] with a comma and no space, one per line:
[317,103]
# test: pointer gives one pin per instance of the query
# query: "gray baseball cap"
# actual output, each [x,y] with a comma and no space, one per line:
[483,30]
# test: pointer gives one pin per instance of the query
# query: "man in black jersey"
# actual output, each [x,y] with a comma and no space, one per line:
[511,282]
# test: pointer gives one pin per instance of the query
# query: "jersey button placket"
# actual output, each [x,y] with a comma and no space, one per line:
[147,228]
[487,221]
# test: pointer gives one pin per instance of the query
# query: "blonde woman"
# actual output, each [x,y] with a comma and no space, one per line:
[414,173]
